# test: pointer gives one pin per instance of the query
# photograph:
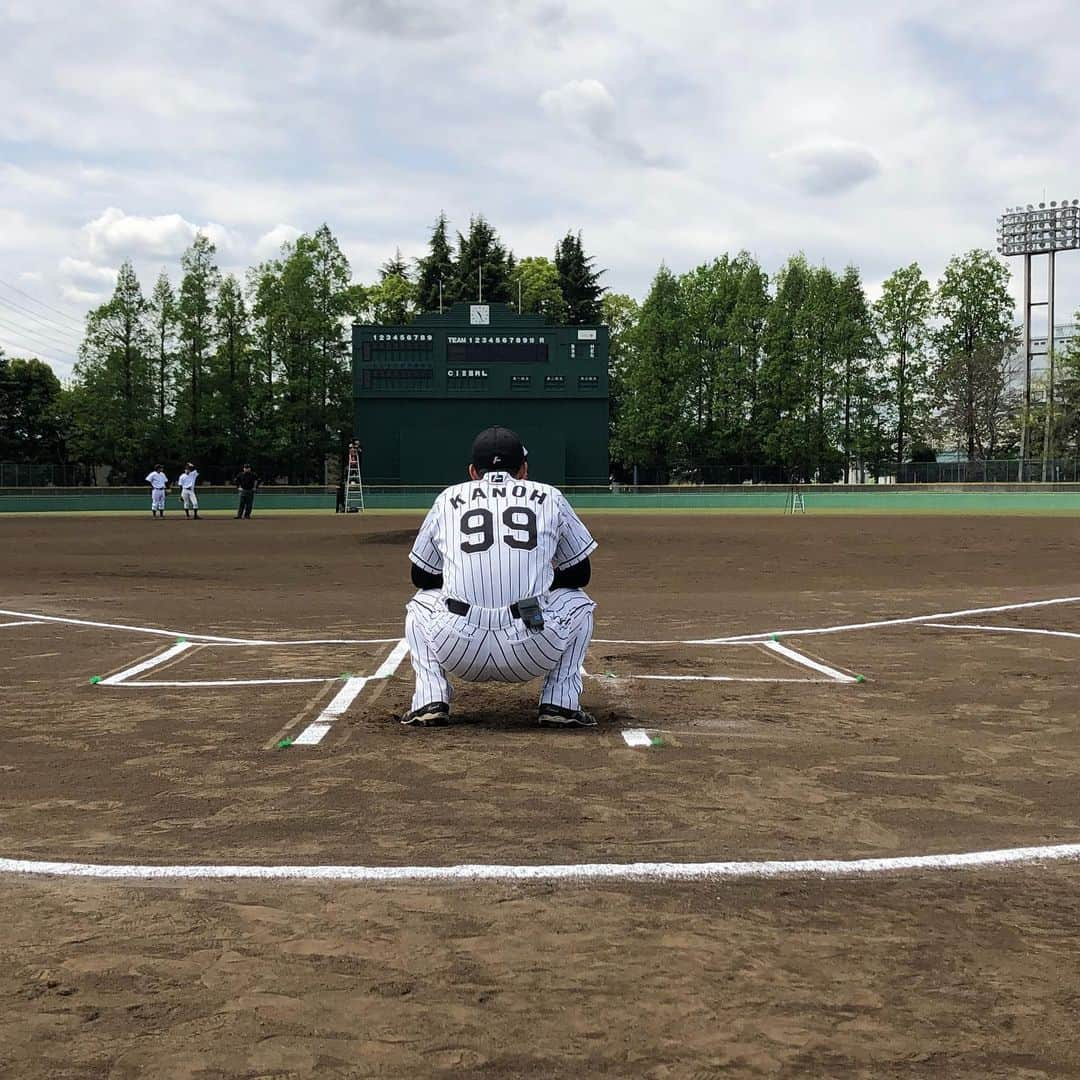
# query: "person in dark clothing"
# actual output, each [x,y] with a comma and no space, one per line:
[340,506]
[247,483]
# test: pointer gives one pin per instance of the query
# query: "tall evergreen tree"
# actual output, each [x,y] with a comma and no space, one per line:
[652,414]
[162,318]
[436,274]
[579,281]
[232,373]
[483,263]
[902,314]
[855,351]
[198,292]
[114,407]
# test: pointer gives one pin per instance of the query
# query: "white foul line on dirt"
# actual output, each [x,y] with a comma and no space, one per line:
[806,661]
[634,871]
[722,678]
[317,730]
[745,638]
[21,622]
[158,632]
[1003,629]
[129,673]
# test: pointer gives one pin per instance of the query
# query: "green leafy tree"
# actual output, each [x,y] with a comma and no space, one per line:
[748,323]
[856,351]
[436,276]
[393,301]
[195,332]
[579,281]
[232,374]
[620,314]
[31,419]
[162,320]
[976,332]
[784,384]
[536,281]
[483,251]
[902,320]
[114,408]
[652,411]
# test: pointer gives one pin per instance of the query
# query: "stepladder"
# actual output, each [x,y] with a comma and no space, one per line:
[354,483]
[795,502]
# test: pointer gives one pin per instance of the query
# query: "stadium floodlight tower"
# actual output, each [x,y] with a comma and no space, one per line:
[1039,230]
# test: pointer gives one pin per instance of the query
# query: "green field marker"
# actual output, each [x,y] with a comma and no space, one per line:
[181,641]
[774,637]
[346,674]
[860,678]
[610,675]
[284,744]
[95,679]
[657,741]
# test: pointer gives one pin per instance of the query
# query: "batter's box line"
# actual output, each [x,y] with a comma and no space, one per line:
[832,675]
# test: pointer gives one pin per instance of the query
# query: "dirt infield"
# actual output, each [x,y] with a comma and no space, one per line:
[963,737]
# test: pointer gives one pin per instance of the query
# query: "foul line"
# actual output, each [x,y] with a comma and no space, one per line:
[1003,629]
[745,638]
[634,871]
[806,661]
[318,729]
[196,637]
[130,673]
[21,622]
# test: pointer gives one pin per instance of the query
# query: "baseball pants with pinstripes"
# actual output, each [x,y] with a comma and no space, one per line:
[489,645]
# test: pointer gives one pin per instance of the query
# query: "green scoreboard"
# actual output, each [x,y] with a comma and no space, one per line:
[424,390]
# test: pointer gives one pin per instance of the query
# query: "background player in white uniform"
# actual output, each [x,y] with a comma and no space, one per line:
[158,482]
[486,549]
[187,482]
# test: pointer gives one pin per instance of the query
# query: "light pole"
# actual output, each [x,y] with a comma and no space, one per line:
[1042,230]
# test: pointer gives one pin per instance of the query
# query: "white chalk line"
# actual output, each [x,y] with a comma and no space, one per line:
[743,638]
[809,662]
[632,871]
[152,683]
[320,727]
[1003,629]
[722,678]
[21,622]
[158,632]
[129,673]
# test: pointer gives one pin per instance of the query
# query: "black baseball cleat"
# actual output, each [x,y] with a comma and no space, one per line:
[434,714]
[557,717]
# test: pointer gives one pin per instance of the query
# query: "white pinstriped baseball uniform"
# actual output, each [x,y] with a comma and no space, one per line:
[158,482]
[495,541]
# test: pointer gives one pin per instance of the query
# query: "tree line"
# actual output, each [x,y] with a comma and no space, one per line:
[718,370]
[222,371]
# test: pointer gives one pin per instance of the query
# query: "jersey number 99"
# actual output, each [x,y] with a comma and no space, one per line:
[479,527]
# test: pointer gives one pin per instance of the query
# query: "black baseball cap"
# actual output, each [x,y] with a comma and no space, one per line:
[498,448]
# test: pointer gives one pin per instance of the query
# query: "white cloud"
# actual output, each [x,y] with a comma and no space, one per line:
[828,166]
[269,244]
[115,233]
[586,107]
[84,282]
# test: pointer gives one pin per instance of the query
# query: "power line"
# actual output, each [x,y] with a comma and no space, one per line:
[31,314]
[34,333]
[37,352]
[41,303]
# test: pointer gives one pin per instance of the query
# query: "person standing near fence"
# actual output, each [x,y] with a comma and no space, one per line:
[159,484]
[247,483]
[187,490]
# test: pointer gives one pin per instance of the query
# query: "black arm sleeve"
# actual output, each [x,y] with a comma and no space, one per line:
[424,580]
[573,577]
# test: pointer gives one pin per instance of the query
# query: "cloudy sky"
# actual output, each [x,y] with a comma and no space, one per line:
[875,134]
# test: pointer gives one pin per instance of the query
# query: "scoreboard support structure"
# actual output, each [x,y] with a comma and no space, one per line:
[423,390]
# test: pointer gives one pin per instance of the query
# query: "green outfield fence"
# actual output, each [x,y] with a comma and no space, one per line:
[887,498]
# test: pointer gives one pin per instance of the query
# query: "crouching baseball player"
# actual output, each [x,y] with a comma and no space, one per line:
[500,563]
